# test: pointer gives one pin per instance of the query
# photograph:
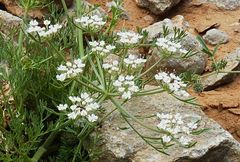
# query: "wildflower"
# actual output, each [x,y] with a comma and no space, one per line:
[166,139]
[133,61]
[173,82]
[101,47]
[43,31]
[82,106]
[126,86]
[70,69]
[111,67]
[62,107]
[185,140]
[129,37]
[93,23]
[176,124]
[170,45]
[92,118]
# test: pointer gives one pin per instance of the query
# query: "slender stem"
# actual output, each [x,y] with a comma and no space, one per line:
[149,69]
[42,149]
[64,6]
[231,72]
[80,33]
[20,38]
[126,113]
[149,93]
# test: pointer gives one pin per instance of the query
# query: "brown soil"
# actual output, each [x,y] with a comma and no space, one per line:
[216,103]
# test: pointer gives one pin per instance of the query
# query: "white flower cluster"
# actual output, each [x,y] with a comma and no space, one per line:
[82,106]
[101,47]
[173,82]
[126,86]
[170,46]
[93,23]
[70,69]
[129,37]
[111,67]
[179,128]
[43,31]
[133,61]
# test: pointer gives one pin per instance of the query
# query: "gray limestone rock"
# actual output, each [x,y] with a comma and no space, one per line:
[216,79]
[157,6]
[121,144]
[215,36]
[224,4]
[195,63]
[8,22]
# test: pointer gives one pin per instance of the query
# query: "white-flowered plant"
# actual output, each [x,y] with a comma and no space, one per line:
[126,86]
[111,67]
[82,106]
[129,37]
[101,48]
[90,59]
[70,69]
[179,127]
[46,31]
[170,46]
[91,23]
[173,83]
[133,61]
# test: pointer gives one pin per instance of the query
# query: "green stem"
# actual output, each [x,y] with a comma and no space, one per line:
[64,6]
[80,33]
[126,113]
[42,149]
[20,38]
[149,69]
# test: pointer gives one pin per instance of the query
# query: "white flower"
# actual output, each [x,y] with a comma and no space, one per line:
[166,139]
[101,47]
[126,86]
[70,70]
[173,82]
[184,140]
[169,45]
[46,22]
[111,67]
[82,106]
[72,115]
[133,61]
[62,107]
[92,118]
[43,31]
[33,23]
[93,23]
[129,37]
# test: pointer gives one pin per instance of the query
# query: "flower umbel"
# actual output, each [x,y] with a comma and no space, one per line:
[111,67]
[82,106]
[101,47]
[43,31]
[70,69]
[91,23]
[173,82]
[133,61]
[126,86]
[177,126]
[129,37]
[171,46]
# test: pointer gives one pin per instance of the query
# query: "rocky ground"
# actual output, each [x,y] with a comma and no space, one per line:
[220,102]
[223,103]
